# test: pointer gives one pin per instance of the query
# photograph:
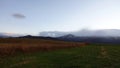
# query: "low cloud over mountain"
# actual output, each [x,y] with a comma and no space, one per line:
[4,35]
[84,32]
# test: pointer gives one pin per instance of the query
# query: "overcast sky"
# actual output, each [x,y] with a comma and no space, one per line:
[34,16]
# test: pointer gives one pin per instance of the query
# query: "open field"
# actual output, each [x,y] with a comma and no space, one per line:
[12,46]
[27,53]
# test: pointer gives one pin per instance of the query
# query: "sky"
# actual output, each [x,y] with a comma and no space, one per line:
[34,16]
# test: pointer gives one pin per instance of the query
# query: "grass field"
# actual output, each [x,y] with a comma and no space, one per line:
[70,55]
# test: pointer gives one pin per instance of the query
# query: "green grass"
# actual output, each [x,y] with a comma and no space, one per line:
[91,56]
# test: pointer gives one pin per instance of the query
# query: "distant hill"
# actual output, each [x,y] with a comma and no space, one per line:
[37,37]
[3,35]
[92,39]
[85,33]
[90,36]
[6,35]
[68,36]
[73,38]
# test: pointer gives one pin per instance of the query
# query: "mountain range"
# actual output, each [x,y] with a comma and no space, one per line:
[73,38]
[81,33]
[90,36]
[5,35]
[84,33]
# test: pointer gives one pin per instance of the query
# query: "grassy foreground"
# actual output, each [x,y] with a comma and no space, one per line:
[91,56]
[82,57]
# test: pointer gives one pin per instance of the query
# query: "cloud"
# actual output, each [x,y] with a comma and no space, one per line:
[19,16]
[85,33]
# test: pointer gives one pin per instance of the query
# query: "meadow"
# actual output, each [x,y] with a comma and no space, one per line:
[38,53]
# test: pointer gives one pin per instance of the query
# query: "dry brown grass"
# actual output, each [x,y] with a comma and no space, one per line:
[12,46]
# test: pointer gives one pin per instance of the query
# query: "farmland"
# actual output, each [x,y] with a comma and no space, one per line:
[38,53]
[12,46]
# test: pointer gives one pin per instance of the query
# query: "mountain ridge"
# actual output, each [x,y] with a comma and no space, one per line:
[85,33]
